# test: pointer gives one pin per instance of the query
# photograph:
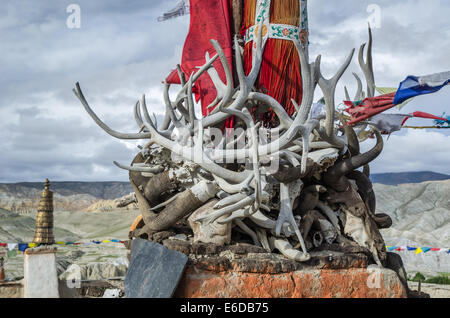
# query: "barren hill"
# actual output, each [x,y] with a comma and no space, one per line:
[68,196]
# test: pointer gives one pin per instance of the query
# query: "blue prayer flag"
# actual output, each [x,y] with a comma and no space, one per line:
[414,86]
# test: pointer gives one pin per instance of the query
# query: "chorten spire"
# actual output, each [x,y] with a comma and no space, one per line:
[44,219]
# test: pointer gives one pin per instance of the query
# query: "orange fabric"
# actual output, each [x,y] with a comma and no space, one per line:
[280,74]
[136,223]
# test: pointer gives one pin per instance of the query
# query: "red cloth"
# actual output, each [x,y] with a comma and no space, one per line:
[210,19]
[280,78]
[426,115]
[369,107]
[3,244]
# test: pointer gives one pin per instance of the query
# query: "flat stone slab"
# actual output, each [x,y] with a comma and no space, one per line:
[154,270]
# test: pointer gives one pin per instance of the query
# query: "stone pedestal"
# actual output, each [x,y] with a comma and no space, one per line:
[40,274]
[248,271]
[309,283]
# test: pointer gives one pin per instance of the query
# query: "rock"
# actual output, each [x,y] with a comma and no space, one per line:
[159,237]
[112,293]
[94,271]
[214,232]
[180,237]
[154,270]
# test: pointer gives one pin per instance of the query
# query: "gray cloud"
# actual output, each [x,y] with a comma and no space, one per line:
[121,52]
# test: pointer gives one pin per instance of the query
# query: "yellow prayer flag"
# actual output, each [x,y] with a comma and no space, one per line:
[418,250]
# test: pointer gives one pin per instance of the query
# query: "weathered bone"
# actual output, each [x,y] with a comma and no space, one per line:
[187,202]
[288,250]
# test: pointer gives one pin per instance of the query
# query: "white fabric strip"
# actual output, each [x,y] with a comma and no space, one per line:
[434,80]
[273,30]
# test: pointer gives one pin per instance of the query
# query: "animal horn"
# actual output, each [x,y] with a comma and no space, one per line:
[333,177]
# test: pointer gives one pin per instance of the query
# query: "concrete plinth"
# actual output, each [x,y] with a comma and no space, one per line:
[40,274]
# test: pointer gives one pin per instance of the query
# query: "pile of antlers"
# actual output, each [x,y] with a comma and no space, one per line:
[291,187]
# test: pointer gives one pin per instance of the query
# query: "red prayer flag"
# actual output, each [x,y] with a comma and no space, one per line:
[369,107]
[426,115]
[210,19]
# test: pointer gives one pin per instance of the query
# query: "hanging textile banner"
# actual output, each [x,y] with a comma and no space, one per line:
[210,19]
[282,24]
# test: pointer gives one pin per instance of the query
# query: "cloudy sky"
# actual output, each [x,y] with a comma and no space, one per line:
[120,52]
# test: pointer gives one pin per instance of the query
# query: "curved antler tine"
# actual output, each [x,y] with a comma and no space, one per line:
[228,74]
[155,169]
[191,109]
[181,75]
[352,139]
[239,66]
[182,94]
[328,87]
[347,95]
[358,95]
[309,82]
[166,122]
[105,127]
[343,68]
[257,60]
[169,106]
[296,106]
[145,111]
[155,120]
[367,66]
[137,115]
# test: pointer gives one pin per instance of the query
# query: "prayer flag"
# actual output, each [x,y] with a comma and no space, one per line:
[12,246]
[414,86]
[180,9]
[361,110]
[12,253]
[388,90]
[388,122]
